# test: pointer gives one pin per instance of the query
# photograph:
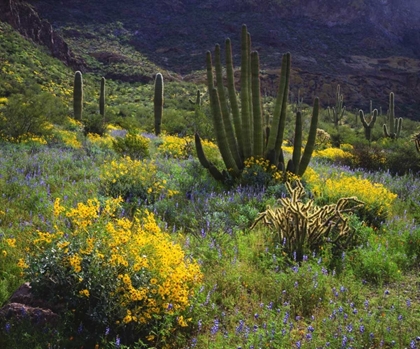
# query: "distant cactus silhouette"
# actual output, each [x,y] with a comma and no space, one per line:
[158,102]
[78,96]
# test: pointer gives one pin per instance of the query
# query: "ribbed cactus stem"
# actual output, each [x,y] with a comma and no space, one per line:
[102,98]
[338,110]
[297,143]
[158,103]
[227,123]
[394,124]
[245,96]
[368,126]
[310,143]
[78,96]
[256,106]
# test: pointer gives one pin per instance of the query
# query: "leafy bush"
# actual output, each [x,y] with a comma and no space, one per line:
[136,181]
[112,274]
[176,147]
[133,145]
[94,123]
[29,113]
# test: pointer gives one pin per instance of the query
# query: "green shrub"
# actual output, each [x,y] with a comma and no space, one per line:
[133,145]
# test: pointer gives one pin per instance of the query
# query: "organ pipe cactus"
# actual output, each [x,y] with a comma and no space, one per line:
[102,98]
[368,126]
[158,102]
[78,96]
[241,132]
[338,110]
[394,129]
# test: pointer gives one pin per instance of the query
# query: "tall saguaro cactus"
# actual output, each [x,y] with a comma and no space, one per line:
[394,124]
[338,110]
[102,98]
[368,126]
[78,96]
[241,132]
[158,102]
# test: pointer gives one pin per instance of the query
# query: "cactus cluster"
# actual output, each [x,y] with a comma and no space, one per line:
[393,129]
[158,102]
[304,227]
[242,132]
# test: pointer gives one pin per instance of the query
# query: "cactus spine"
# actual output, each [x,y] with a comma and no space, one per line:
[338,110]
[240,133]
[158,102]
[78,96]
[395,125]
[368,126]
[102,98]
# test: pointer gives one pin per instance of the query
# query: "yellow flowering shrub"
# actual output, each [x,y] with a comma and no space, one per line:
[127,275]
[176,147]
[103,142]
[134,180]
[68,138]
[329,188]
[133,145]
[259,171]
[332,154]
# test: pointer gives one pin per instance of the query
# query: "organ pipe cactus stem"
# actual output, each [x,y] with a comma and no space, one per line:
[78,96]
[368,126]
[158,103]
[394,129]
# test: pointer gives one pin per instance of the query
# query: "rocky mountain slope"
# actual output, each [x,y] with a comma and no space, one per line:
[370,47]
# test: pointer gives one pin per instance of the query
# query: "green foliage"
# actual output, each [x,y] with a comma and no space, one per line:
[302,228]
[133,145]
[30,114]
[94,123]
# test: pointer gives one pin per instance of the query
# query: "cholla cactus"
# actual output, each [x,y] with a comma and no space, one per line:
[299,226]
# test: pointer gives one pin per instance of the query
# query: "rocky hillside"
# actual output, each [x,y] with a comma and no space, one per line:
[370,47]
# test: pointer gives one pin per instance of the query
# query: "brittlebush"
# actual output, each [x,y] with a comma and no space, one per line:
[111,272]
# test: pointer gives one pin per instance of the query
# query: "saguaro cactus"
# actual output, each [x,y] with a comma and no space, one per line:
[158,102]
[338,110]
[240,133]
[368,126]
[102,98]
[78,96]
[394,124]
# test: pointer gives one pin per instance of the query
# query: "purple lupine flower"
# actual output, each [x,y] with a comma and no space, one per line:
[117,342]
[215,327]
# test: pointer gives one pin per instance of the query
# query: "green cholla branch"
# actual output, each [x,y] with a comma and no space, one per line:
[368,126]
[102,98]
[394,129]
[304,227]
[78,96]
[158,102]
[338,110]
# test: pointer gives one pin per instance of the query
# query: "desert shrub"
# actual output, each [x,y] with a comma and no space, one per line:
[330,187]
[112,275]
[368,157]
[94,123]
[29,114]
[176,147]
[68,138]
[259,172]
[334,155]
[133,145]
[136,181]
[401,157]
[412,246]
[102,142]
